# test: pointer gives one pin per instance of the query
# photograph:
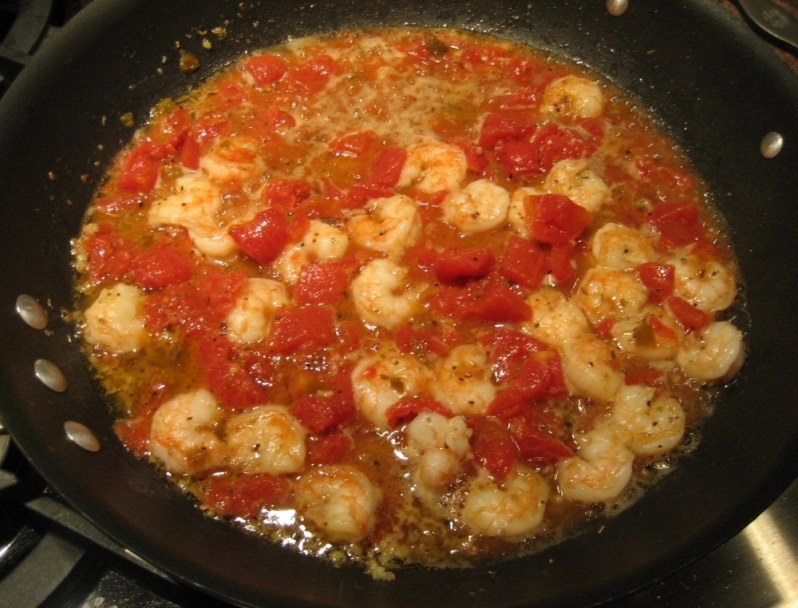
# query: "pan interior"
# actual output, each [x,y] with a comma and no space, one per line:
[715,87]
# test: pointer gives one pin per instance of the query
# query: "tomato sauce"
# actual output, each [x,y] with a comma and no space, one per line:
[407,296]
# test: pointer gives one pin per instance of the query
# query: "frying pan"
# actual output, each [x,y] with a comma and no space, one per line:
[712,84]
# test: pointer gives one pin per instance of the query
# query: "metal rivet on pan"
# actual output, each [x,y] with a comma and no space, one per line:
[82,436]
[31,311]
[616,8]
[49,375]
[771,145]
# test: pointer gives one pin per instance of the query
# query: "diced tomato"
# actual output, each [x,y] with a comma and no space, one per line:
[139,171]
[322,413]
[452,301]
[603,328]
[456,266]
[162,265]
[594,127]
[276,118]
[219,291]
[266,69]
[209,127]
[190,154]
[350,336]
[476,160]
[355,144]
[420,341]
[297,224]
[387,169]
[258,364]
[555,219]
[110,255]
[328,449]
[500,304]
[493,448]
[198,306]
[662,331]
[508,404]
[496,129]
[285,193]
[360,194]
[541,376]
[507,351]
[561,262]
[227,379]
[312,76]
[407,408]
[301,326]
[523,262]
[134,433]
[519,158]
[246,495]
[538,447]
[658,280]
[321,283]
[678,224]
[489,299]
[263,237]
[228,94]
[171,128]
[557,143]
[672,178]
[690,317]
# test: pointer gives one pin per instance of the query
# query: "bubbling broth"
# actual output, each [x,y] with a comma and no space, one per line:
[406,296]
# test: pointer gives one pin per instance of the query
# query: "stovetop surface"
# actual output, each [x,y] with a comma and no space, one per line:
[51,557]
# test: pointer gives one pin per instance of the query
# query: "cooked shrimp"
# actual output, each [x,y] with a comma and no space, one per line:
[338,499]
[382,379]
[605,293]
[555,319]
[516,212]
[717,353]
[233,159]
[652,425]
[573,97]
[601,469]
[462,380]
[708,285]
[115,320]
[573,179]
[194,205]
[321,243]
[434,166]
[621,247]
[481,206]
[183,433]
[440,444]
[391,225]
[380,295]
[510,509]
[266,439]
[251,317]
[587,364]
[655,335]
